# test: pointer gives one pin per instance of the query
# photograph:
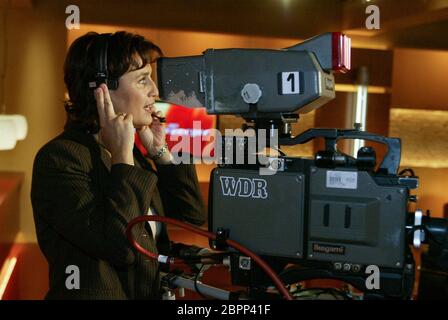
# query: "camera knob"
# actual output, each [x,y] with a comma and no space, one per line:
[251,93]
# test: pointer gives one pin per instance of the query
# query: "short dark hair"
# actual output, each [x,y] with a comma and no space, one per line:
[80,68]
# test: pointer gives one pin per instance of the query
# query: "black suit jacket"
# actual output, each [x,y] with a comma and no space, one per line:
[82,206]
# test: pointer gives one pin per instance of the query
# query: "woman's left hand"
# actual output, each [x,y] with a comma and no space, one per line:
[153,136]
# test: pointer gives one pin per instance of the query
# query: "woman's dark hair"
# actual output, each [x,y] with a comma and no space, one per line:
[80,68]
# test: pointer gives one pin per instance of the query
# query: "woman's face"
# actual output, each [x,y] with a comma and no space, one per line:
[136,94]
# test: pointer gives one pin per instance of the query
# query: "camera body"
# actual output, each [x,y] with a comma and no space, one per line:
[335,221]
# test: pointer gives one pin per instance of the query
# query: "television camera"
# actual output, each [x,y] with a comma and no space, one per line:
[333,216]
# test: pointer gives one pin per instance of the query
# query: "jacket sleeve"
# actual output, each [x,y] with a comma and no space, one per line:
[66,198]
[179,189]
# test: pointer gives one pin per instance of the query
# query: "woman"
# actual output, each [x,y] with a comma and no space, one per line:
[91,180]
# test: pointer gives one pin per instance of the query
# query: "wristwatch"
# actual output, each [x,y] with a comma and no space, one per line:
[160,153]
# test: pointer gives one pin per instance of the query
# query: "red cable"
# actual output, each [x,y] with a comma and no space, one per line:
[278,283]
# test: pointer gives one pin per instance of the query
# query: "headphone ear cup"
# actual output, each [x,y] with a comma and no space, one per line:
[99,50]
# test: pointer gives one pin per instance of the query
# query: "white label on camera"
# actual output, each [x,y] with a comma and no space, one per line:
[290,83]
[342,179]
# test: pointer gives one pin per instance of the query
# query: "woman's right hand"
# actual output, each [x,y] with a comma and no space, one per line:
[117,130]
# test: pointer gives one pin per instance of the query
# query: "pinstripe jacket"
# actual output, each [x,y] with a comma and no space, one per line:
[82,205]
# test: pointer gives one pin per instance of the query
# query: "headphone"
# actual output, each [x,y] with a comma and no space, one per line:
[100,47]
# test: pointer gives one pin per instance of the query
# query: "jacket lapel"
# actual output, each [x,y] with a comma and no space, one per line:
[98,152]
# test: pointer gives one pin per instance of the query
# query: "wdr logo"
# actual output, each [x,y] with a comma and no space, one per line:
[244,187]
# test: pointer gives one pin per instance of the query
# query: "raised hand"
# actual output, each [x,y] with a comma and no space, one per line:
[153,136]
[117,130]
[153,139]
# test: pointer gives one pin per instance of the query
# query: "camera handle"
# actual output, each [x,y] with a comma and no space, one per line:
[390,163]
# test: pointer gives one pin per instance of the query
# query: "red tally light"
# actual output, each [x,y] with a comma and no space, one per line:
[341,46]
